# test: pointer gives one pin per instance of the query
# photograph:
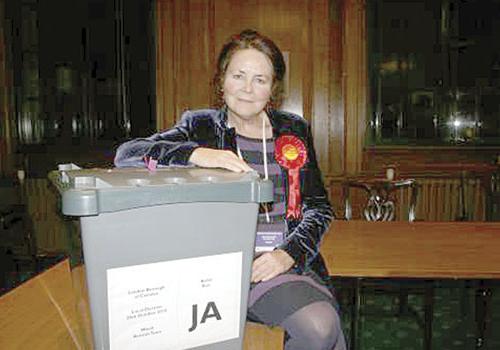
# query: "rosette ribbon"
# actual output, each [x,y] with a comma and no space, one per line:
[291,154]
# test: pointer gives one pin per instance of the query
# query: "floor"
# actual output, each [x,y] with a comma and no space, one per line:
[454,324]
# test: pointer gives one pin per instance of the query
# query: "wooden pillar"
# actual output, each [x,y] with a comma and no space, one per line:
[165,78]
[320,86]
[336,92]
[355,83]
[185,57]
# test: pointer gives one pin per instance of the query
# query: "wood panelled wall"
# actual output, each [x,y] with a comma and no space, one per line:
[355,86]
[324,61]
[6,118]
[325,41]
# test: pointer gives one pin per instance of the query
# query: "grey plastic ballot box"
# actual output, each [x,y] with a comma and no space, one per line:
[167,253]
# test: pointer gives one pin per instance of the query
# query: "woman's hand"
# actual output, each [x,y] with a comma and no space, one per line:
[216,158]
[270,265]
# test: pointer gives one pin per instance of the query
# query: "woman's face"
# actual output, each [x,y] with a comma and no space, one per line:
[248,83]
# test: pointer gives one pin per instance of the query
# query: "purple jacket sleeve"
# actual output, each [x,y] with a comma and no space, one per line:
[171,147]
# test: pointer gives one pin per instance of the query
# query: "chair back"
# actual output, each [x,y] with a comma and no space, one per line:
[381,195]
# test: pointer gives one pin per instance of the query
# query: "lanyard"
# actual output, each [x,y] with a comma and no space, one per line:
[264,149]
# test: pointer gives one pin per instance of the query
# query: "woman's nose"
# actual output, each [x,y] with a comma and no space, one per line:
[248,87]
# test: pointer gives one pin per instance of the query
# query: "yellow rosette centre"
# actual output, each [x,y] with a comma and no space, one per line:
[291,152]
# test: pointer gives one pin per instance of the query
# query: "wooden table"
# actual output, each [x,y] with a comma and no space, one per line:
[399,249]
[416,249]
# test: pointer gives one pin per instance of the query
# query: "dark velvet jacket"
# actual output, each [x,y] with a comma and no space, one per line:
[208,128]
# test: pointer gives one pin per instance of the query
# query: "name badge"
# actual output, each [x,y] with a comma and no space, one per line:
[265,241]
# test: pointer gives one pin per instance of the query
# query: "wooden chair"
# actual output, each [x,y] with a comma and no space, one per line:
[17,240]
[381,206]
[493,197]
[40,313]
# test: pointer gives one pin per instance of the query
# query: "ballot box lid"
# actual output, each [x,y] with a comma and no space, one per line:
[86,192]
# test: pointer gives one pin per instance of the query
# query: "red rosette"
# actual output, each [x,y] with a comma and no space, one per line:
[290,152]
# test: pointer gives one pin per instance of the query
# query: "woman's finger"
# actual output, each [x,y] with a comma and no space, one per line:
[234,164]
[270,265]
[265,268]
[214,158]
[239,163]
[258,269]
[260,273]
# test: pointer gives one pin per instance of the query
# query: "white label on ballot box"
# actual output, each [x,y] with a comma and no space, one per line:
[175,304]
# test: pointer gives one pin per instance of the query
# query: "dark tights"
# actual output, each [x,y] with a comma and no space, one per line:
[314,327]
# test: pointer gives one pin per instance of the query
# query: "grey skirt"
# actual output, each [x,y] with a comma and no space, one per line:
[273,301]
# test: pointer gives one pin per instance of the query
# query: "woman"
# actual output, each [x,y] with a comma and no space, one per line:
[289,278]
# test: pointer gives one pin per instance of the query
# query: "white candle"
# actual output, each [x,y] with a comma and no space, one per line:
[389,174]
[21,175]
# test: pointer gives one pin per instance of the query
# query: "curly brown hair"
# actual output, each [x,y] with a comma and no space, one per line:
[251,39]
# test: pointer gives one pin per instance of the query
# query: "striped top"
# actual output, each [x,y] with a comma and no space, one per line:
[253,153]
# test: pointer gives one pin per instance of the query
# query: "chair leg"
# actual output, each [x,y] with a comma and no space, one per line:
[428,314]
[483,305]
[403,301]
[355,313]
[465,286]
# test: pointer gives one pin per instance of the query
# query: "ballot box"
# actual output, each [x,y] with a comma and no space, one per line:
[167,254]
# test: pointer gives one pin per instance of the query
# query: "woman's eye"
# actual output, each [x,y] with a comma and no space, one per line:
[237,76]
[261,81]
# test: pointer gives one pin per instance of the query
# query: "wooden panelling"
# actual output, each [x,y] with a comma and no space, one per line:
[191,32]
[355,70]
[184,57]
[442,200]
[165,95]
[320,60]
[6,119]
[195,61]
[53,233]
[325,42]
[336,76]
[428,159]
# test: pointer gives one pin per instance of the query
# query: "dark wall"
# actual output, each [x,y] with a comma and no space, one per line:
[83,77]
